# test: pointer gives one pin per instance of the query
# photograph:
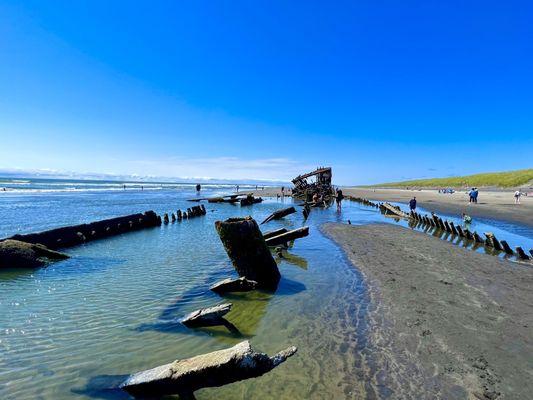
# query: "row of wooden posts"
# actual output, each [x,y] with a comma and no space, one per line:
[435,221]
[363,201]
[490,239]
[191,212]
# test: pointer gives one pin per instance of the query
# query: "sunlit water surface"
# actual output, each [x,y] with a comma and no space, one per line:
[74,328]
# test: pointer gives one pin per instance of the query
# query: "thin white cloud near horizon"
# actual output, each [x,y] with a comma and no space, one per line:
[175,168]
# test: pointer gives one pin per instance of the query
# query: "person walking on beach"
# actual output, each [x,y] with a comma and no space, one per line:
[471,196]
[283,191]
[339,198]
[412,204]
[237,188]
[517,195]
[476,192]
[198,187]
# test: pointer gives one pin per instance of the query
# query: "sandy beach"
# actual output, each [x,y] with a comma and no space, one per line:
[449,322]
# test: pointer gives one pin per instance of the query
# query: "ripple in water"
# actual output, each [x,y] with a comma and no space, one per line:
[75,328]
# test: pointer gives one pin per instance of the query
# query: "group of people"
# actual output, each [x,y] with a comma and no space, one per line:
[472,195]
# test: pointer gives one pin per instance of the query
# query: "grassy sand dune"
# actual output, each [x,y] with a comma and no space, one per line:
[509,179]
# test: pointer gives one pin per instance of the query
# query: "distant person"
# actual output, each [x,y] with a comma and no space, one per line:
[237,188]
[283,191]
[142,188]
[198,187]
[476,193]
[124,187]
[412,204]
[339,198]
[471,196]
[466,218]
[517,195]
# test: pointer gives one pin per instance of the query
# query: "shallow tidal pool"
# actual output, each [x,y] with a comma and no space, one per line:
[74,329]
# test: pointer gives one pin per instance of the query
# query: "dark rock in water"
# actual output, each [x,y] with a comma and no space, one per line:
[16,254]
[248,251]
[234,285]
[210,316]
[184,377]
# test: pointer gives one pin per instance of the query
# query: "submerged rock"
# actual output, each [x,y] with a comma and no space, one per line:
[210,316]
[218,368]
[234,285]
[17,254]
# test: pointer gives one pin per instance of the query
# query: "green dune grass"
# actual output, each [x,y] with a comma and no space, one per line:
[508,179]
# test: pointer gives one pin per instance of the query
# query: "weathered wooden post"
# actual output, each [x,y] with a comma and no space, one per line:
[165,218]
[173,218]
[248,251]
[521,253]
[492,241]
[477,238]
[506,247]
[452,227]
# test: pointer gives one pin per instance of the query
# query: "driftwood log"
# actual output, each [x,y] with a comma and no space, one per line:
[273,233]
[279,214]
[211,316]
[250,199]
[389,209]
[234,285]
[288,236]
[78,234]
[184,377]
[248,251]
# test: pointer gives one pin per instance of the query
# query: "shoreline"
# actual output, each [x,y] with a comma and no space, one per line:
[493,205]
[497,205]
[448,322]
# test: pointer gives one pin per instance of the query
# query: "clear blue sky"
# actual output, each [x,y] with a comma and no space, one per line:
[380,90]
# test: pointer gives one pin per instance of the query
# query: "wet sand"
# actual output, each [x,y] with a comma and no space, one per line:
[491,204]
[447,322]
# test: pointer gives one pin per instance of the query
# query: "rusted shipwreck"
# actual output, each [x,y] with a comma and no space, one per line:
[315,182]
